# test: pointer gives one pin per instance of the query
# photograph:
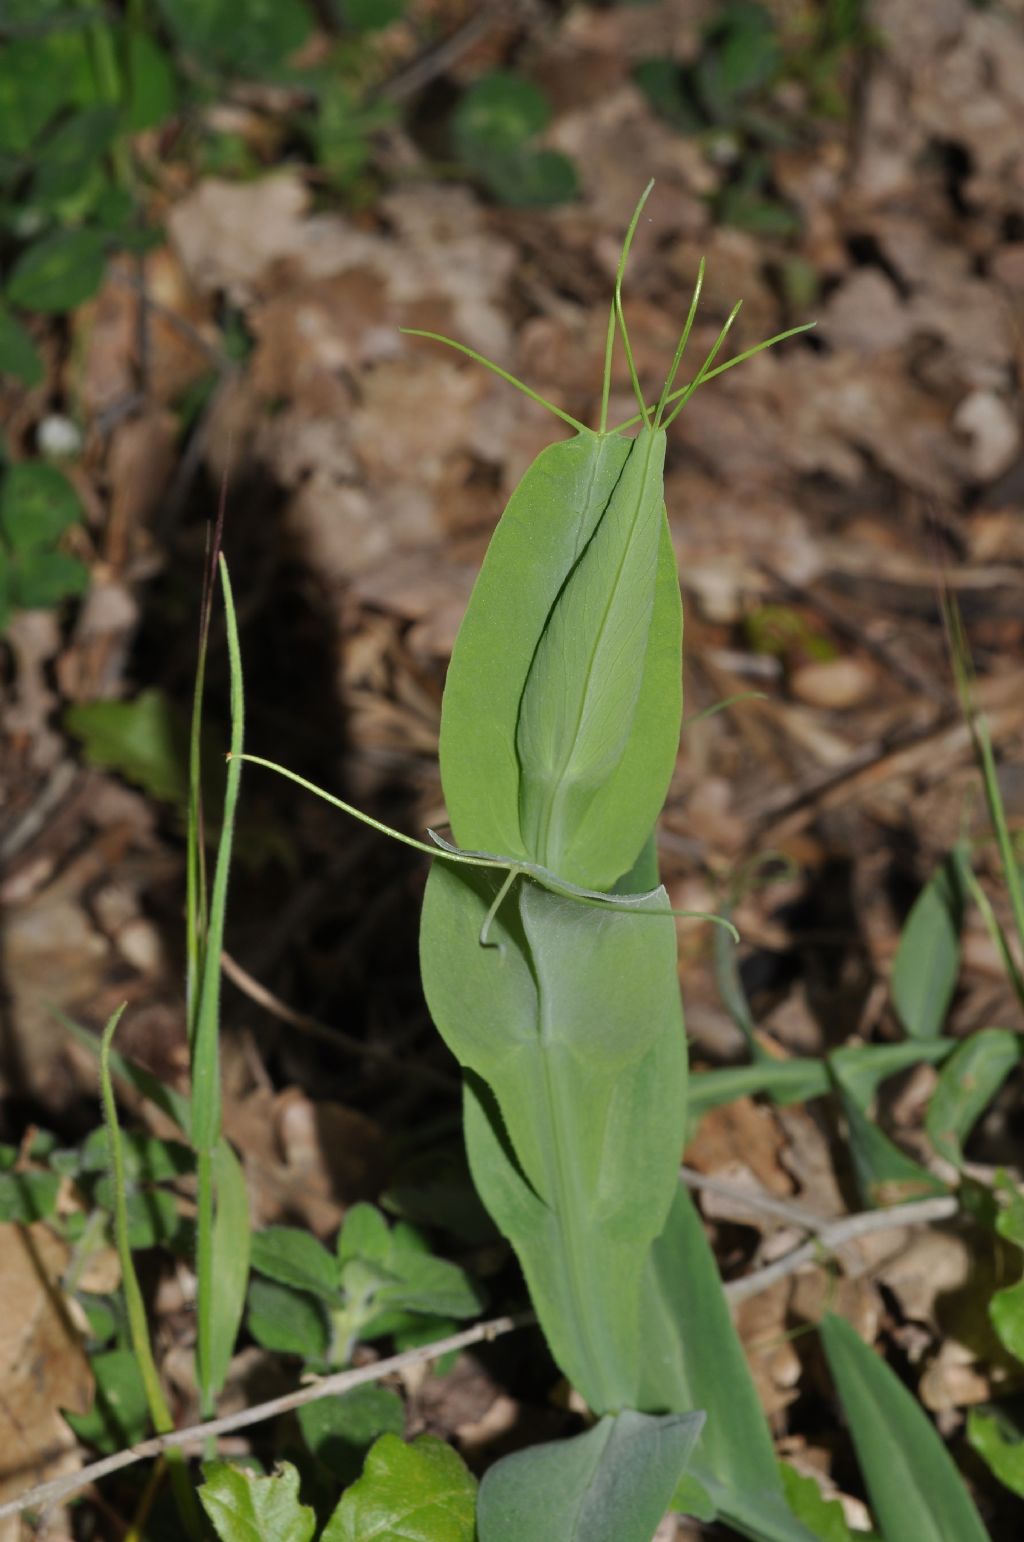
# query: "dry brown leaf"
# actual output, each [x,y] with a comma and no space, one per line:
[43,1366]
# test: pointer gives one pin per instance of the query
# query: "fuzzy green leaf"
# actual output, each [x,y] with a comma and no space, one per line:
[286,1320]
[916,1491]
[612,1484]
[243,1507]
[294,1257]
[408,1493]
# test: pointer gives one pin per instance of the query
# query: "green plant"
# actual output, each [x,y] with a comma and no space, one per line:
[549,961]
[726,95]
[37,505]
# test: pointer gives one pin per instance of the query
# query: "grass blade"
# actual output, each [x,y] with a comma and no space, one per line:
[916,1492]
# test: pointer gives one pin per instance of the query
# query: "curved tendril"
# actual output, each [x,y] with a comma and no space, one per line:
[720,369]
[503,374]
[513,867]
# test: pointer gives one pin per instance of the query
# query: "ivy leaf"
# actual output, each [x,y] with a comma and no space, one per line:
[245,1508]
[421,1492]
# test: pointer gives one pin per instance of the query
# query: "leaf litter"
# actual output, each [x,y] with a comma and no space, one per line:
[830,470]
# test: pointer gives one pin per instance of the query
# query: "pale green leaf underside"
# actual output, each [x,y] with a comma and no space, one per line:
[611,1484]
[573,1018]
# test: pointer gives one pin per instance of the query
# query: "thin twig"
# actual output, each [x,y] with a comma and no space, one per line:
[441,56]
[755,1200]
[60,1489]
[335,1037]
[835,1235]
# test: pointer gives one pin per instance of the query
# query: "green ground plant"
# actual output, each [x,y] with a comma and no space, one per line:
[549,961]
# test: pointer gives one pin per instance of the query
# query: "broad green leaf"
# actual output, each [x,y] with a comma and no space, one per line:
[967,1083]
[41,579]
[150,88]
[119,1415]
[927,962]
[294,1257]
[692,1358]
[28,1197]
[573,1019]
[143,739]
[32,88]
[582,688]
[270,31]
[916,1492]
[58,272]
[824,1517]
[340,1430]
[408,1493]
[996,1432]
[37,504]
[19,356]
[1006,1308]
[69,177]
[364,1234]
[287,1321]
[531,179]
[548,523]
[146,1158]
[669,92]
[498,116]
[741,56]
[372,15]
[231,1249]
[612,1484]
[692,1498]
[243,1507]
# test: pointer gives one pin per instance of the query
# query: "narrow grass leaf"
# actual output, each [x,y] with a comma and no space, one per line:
[232,1234]
[138,1326]
[862,1068]
[787,1081]
[612,1484]
[693,1359]
[243,1507]
[421,1492]
[967,1083]
[916,1492]
[927,962]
